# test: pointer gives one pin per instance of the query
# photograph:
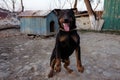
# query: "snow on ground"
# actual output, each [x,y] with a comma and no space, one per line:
[10,21]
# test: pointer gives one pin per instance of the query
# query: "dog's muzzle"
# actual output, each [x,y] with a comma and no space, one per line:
[66,27]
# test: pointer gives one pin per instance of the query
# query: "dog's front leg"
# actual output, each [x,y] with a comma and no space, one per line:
[78,59]
[58,65]
[58,59]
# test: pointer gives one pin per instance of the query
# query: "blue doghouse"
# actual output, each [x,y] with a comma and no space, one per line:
[38,22]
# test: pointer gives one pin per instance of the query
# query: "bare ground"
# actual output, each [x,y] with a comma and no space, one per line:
[27,58]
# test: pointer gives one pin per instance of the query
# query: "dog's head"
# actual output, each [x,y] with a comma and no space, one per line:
[66,19]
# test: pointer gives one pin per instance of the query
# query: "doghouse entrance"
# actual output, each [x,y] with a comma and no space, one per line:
[52,24]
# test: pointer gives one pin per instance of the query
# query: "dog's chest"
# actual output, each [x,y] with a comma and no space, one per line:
[68,42]
[67,46]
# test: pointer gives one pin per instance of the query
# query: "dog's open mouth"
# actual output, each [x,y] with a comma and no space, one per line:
[66,27]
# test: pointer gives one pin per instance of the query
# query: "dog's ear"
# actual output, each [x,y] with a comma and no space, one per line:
[74,9]
[57,11]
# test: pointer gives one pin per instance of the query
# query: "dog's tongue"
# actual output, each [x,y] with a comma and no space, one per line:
[66,26]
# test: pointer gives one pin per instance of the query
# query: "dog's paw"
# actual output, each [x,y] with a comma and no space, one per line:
[51,73]
[70,70]
[81,69]
[58,68]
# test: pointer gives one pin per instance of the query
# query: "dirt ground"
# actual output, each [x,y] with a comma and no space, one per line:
[23,57]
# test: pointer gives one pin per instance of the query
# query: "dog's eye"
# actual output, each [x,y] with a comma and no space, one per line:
[71,19]
[70,15]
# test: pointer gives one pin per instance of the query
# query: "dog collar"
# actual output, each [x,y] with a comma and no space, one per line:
[68,31]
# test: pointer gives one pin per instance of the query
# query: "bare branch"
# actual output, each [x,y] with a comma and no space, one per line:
[6,4]
[97,5]
[22,6]
[59,3]
[63,4]
[75,4]
[55,3]
[70,2]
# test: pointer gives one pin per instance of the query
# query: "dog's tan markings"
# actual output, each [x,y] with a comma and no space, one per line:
[75,38]
[66,64]
[79,64]
[61,20]
[58,65]
[62,38]
[51,73]
[53,63]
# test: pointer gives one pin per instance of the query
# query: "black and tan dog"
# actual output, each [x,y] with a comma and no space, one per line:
[67,41]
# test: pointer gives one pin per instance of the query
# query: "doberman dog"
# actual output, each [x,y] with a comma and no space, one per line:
[67,40]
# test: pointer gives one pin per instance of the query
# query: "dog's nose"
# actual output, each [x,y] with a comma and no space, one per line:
[66,20]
